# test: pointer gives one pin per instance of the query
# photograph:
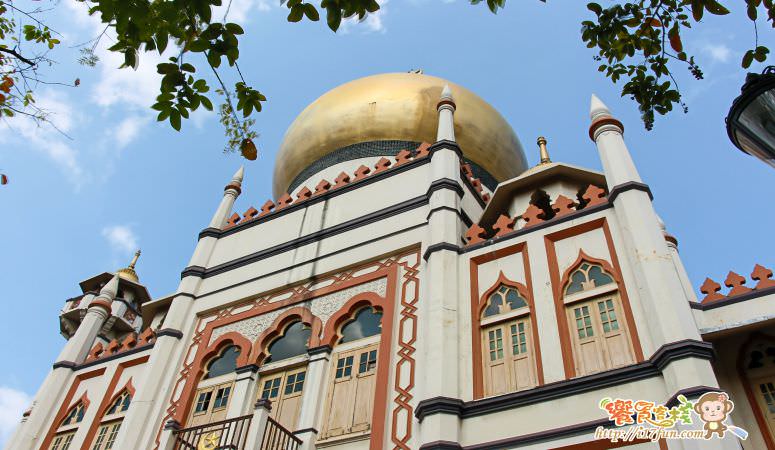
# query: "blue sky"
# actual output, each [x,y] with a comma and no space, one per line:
[75,208]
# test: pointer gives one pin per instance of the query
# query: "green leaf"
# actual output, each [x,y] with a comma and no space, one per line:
[186,67]
[747,59]
[199,45]
[233,28]
[311,12]
[296,14]
[162,38]
[175,119]
[716,8]
[208,105]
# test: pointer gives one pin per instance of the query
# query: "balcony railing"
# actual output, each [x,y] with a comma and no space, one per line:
[230,434]
[236,434]
[277,437]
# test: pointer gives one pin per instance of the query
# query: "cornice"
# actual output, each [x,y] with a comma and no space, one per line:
[629,186]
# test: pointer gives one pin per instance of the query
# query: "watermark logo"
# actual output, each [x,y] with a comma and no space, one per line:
[640,419]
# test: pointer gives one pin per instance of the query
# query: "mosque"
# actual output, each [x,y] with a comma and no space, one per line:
[415,285]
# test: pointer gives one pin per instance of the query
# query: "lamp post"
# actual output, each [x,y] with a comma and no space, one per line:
[751,119]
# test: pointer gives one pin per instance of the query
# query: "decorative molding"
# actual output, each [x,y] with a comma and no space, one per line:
[694,391]
[444,183]
[248,368]
[64,364]
[439,247]
[264,403]
[210,232]
[601,122]
[441,445]
[177,334]
[629,186]
[305,430]
[193,271]
[445,144]
[541,436]
[172,424]
[349,225]
[561,389]
[406,338]
[320,349]
[461,214]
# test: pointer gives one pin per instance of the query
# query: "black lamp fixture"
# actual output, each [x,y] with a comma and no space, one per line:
[751,119]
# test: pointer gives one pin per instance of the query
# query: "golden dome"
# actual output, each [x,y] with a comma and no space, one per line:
[396,106]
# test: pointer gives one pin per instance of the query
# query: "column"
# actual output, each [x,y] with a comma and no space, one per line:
[314,396]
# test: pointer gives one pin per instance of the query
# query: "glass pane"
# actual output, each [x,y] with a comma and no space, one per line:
[600,278]
[366,323]
[226,363]
[203,402]
[100,437]
[222,397]
[112,436]
[576,279]
[514,300]
[292,343]
[493,305]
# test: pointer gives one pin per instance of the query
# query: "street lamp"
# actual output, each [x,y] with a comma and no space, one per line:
[751,119]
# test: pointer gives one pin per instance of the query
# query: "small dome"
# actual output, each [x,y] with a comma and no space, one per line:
[388,109]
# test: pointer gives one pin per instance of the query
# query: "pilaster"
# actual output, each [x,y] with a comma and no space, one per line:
[313,397]
[243,392]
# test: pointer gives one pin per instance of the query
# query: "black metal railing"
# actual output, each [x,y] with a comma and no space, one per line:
[277,437]
[229,434]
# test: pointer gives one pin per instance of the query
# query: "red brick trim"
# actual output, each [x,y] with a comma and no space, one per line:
[606,120]
[64,409]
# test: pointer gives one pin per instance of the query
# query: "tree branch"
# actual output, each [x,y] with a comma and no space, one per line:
[17,56]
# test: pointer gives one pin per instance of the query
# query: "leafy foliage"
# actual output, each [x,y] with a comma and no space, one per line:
[638,42]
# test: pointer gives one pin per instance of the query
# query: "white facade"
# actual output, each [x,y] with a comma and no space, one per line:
[506,317]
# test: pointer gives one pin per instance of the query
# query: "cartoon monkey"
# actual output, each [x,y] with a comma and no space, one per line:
[713,408]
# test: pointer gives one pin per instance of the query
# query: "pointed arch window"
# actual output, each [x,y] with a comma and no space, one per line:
[758,375]
[111,421]
[283,381]
[215,388]
[600,335]
[69,425]
[508,356]
[352,375]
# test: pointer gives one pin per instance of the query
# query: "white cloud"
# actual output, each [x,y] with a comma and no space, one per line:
[12,404]
[121,238]
[126,131]
[50,138]
[372,23]
[717,52]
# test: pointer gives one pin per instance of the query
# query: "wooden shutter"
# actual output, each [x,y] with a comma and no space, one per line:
[350,397]
[600,336]
[210,404]
[588,348]
[508,357]
[618,347]
[286,410]
[764,390]
[521,354]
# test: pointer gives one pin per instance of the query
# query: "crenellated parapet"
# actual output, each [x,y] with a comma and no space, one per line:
[737,285]
[561,206]
[129,342]
[324,186]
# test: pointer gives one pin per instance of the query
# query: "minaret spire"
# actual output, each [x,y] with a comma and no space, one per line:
[446,108]
[607,133]
[230,194]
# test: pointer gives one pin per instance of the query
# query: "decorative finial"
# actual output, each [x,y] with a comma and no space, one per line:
[134,260]
[446,94]
[544,153]
[128,273]
[417,71]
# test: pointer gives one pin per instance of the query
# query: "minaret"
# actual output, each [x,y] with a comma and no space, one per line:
[438,367]
[142,417]
[74,352]
[230,194]
[660,291]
